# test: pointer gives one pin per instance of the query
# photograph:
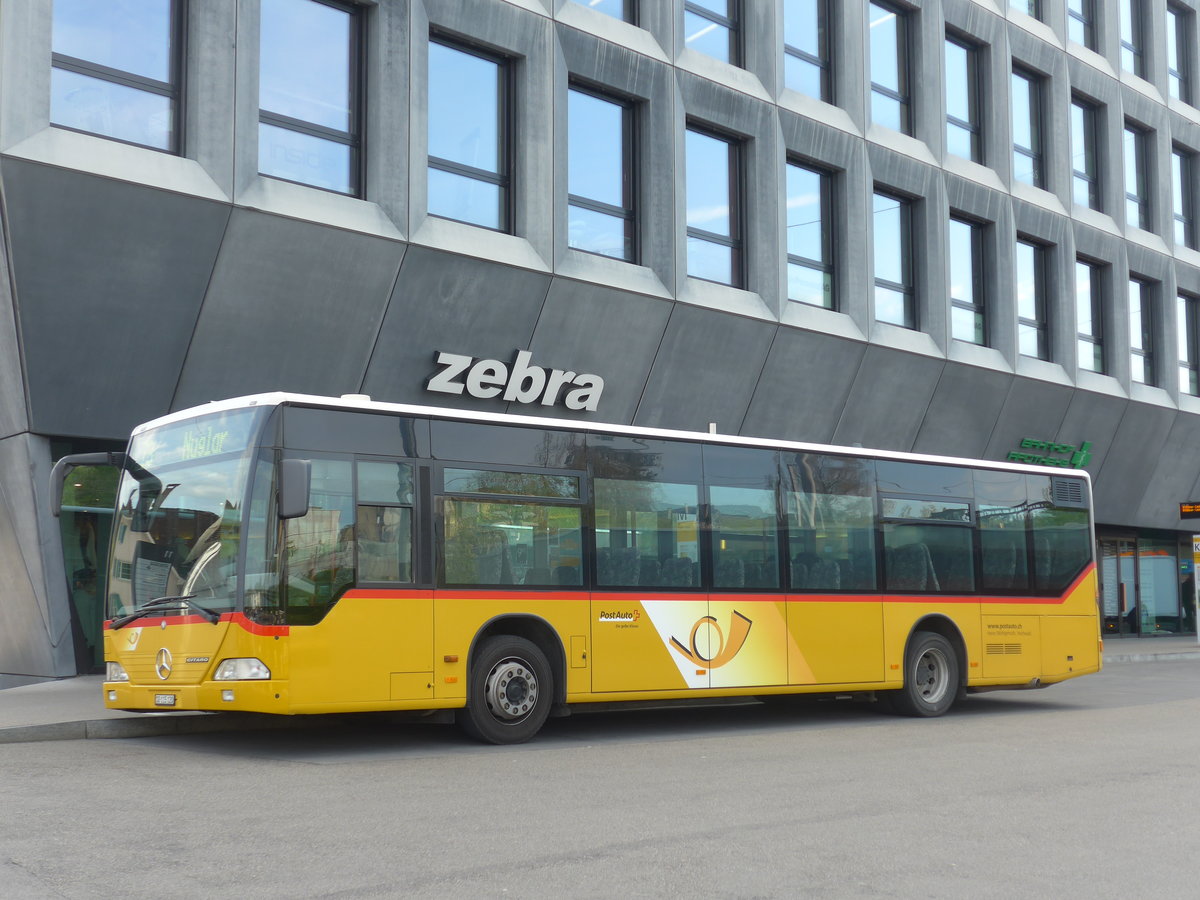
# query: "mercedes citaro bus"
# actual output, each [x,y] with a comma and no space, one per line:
[293,554]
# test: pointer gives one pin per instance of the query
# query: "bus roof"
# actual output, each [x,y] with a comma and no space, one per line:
[363,403]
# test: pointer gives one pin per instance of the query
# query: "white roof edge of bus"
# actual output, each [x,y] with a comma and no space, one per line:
[356,402]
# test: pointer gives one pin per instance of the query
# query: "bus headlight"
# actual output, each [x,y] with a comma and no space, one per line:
[115,672]
[245,668]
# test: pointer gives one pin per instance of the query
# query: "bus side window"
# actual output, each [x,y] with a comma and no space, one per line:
[1062,543]
[1003,512]
[831,522]
[320,544]
[385,520]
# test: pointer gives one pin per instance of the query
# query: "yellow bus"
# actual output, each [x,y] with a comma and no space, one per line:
[291,554]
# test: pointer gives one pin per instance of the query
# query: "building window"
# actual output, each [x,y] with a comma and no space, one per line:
[1032,337]
[1133,57]
[1027,128]
[963,137]
[967,316]
[1089,316]
[1179,61]
[1029,7]
[618,9]
[1085,165]
[1081,22]
[600,216]
[806,48]
[1137,194]
[809,236]
[308,87]
[116,70]
[468,153]
[711,27]
[1189,345]
[714,242]
[888,37]
[1183,196]
[895,292]
[1141,331]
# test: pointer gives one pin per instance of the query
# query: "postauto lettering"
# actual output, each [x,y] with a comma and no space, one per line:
[517,382]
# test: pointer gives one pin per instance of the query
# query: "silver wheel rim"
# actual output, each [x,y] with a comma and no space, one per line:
[510,690]
[931,676]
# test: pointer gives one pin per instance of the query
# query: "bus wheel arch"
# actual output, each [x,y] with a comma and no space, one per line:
[516,675]
[935,666]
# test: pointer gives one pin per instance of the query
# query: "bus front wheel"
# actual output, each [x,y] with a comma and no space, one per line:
[509,693]
[930,677]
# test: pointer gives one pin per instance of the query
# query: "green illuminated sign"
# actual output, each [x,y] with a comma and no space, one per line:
[1049,453]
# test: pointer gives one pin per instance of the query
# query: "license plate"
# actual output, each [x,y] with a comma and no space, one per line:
[164,699]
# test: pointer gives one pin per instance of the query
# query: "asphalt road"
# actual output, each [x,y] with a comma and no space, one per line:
[1089,788]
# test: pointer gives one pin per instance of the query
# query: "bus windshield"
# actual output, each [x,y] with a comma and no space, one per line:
[179,512]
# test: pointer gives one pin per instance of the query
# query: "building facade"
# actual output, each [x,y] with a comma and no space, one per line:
[964,227]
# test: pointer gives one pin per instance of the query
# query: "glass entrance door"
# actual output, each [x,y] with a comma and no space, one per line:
[1118,586]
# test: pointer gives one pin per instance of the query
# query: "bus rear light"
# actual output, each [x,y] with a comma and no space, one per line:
[115,672]
[242,669]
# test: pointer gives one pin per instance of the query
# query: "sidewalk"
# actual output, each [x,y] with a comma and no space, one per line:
[73,709]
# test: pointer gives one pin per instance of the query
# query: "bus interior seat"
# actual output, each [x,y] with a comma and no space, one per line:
[566,575]
[731,573]
[799,574]
[678,571]
[492,565]
[537,575]
[824,575]
[650,572]
[910,568]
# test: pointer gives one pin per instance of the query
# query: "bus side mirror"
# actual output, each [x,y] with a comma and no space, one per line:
[294,478]
[62,468]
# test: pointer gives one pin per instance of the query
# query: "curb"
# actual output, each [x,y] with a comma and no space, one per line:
[1152,657]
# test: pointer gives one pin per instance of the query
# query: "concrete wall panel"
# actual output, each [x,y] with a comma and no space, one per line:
[14,418]
[1174,469]
[613,334]
[109,280]
[804,385]
[888,400]
[457,304]
[35,627]
[1122,479]
[1032,409]
[705,371]
[963,412]
[292,306]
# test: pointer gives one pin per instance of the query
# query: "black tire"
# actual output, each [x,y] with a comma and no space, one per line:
[509,692]
[931,678]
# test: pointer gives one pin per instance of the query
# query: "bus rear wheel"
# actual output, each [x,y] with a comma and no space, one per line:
[509,692]
[931,677]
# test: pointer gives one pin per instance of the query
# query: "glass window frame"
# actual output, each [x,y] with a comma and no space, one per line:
[1132,55]
[1039,323]
[503,178]
[1142,320]
[902,96]
[1081,14]
[734,241]
[1035,153]
[1138,200]
[1187,326]
[973,125]
[172,89]
[1179,58]
[629,174]
[353,137]
[826,265]
[908,287]
[1029,7]
[1183,196]
[1085,130]
[822,62]
[976,304]
[628,10]
[1095,338]
[730,23]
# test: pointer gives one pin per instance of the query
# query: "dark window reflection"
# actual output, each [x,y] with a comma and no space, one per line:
[600,215]
[468,174]
[308,91]
[116,70]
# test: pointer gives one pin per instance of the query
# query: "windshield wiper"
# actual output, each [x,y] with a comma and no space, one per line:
[152,607]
